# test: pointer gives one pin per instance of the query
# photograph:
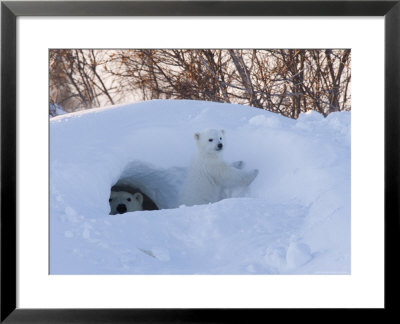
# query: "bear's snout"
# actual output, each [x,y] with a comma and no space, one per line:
[220,145]
[121,208]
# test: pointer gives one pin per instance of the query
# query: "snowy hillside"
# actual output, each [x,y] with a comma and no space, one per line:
[295,219]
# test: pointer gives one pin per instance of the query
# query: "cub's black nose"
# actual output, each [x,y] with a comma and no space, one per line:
[121,208]
[220,145]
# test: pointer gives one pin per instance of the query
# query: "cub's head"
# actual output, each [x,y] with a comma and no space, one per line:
[122,202]
[211,141]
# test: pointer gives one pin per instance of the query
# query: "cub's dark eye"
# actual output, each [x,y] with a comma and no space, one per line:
[129,199]
[210,140]
[110,200]
[220,138]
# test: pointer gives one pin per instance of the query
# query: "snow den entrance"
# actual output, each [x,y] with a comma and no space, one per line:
[160,185]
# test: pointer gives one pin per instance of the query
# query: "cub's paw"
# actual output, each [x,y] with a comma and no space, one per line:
[254,173]
[251,175]
[238,164]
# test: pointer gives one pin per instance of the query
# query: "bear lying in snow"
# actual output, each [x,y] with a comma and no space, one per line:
[126,199]
[209,175]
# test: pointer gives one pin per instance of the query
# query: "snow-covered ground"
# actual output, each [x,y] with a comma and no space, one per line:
[295,219]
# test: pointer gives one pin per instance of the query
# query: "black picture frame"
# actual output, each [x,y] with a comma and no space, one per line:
[10,10]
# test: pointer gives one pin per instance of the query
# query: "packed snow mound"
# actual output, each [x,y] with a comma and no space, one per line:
[295,217]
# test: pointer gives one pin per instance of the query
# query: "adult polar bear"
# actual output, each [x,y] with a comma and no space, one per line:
[209,175]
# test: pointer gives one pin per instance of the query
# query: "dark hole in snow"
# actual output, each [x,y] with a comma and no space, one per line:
[159,186]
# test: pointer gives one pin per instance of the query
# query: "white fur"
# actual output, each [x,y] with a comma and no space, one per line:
[132,202]
[209,175]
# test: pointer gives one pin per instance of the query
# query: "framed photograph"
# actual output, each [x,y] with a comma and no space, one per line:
[198,161]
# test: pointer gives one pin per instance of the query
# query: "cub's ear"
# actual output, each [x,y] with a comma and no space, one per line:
[223,131]
[139,197]
[197,136]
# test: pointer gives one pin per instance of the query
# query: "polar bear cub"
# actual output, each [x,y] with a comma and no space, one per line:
[209,175]
[122,202]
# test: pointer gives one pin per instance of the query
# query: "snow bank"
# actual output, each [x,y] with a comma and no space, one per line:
[295,218]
